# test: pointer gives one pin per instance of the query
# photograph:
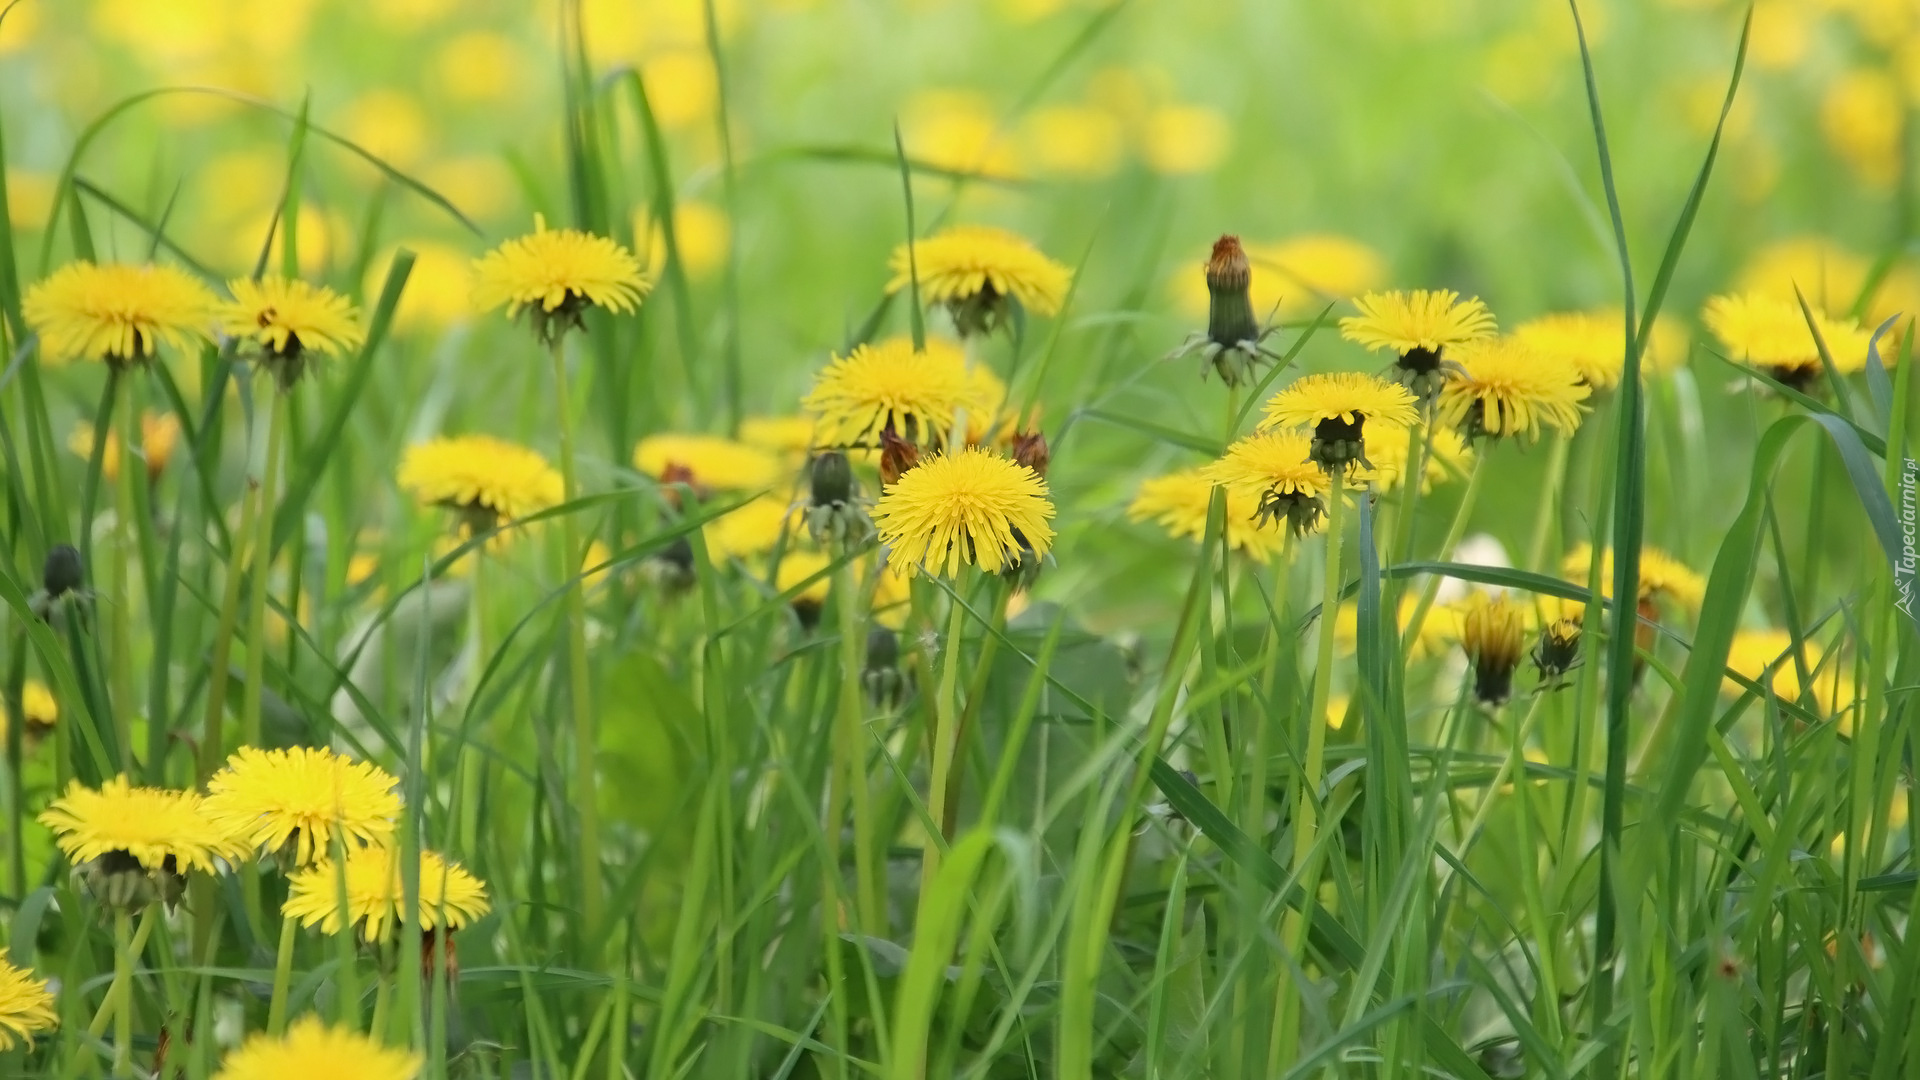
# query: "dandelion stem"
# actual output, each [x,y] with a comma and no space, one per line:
[121,672]
[121,992]
[1549,498]
[1454,533]
[282,977]
[585,738]
[1508,767]
[382,1003]
[945,739]
[259,562]
[850,759]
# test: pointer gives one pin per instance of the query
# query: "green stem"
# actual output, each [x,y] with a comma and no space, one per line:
[260,563]
[1507,769]
[850,756]
[122,992]
[585,737]
[122,621]
[382,1004]
[1549,500]
[945,740]
[282,977]
[976,693]
[1454,532]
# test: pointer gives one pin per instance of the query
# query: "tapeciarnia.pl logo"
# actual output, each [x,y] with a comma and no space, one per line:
[1904,567]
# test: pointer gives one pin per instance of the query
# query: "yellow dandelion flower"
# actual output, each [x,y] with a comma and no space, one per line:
[134,845]
[450,897]
[1179,502]
[971,507]
[1437,633]
[26,1005]
[287,321]
[1446,455]
[1504,388]
[1861,115]
[117,313]
[788,435]
[1558,649]
[1594,342]
[1828,275]
[310,1050]
[1273,470]
[38,706]
[488,481]
[1081,141]
[889,386]
[1337,407]
[1772,335]
[159,435]
[715,463]
[291,802]
[1660,575]
[1418,328]
[556,275]
[1754,651]
[752,529]
[796,567]
[975,270]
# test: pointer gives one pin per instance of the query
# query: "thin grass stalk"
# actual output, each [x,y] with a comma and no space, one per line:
[1455,531]
[1306,824]
[945,740]
[121,625]
[260,562]
[1549,500]
[585,735]
[850,758]
[976,693]
[122,990]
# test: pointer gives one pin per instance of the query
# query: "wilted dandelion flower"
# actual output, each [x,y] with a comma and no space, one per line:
[1179,502]
[1594,342]
[1232,343]
[116,312]
[489,482]
[1558,650]
[450,897]
[288,321]
[1492,634]
[977,272]
[971,507]
[311,1050]
[1661,575]
[291,802]
[159,435]
[26,1005]
[1418,327]
[709,461]
[890,387]
[1502,388]
[1273,471]
[1445,455]
[1337,407]
[134,844]
[1772,334]
[556,275]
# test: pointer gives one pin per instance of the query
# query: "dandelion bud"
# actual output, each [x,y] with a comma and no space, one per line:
[897,455]
[671,567]
[1492,640]
[882,677]
[830,478]
[1030,449]
[1230,318]
[61,574]
[1558,650]
[835,517]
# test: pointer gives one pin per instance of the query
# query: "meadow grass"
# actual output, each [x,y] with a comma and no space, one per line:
[1191,835]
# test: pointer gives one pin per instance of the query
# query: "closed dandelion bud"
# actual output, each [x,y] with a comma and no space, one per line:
[1230,317]
[61,573]
[882,678]
[834,515]
[1492,639]
[897,455]
[672,567]
[1030,449]
[1558,650]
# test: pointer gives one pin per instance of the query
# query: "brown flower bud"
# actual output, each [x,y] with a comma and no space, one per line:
[1030,449]
[1230,318]
[897,455]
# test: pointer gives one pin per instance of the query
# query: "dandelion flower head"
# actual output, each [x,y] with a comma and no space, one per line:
[285,318]
[491,480]
[973,270]
[118,313]
[450,897]
[26,1005]
[1594,342]
[1660,575]
[160,829]
[1421,321]
[971,507]
[714,462]
[557,274]
[1503,388]
[890,386]
[311,1050]
[1179,502]
[293,800]
[1773,334]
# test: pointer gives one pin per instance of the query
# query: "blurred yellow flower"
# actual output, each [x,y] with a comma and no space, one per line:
[488,481]
[1753,651]
[780,434]
[26,1005]
[957,130]
[480,66]
[29,194]
[320,236]
[117,313]
[481,186]
[389,124]
[1178,502]
[1594,342]
[892,597]
[439,291]
[1448,457]
[159,434]
[1439,631]
[310,1050]
[240,185]
[1828,275]
[1782,33]
[714,462]
[1661,575]
[17,29]
[1773,335]
[411,14]
[700,230]
[797,566]
[682,87]
[38,705]
[1861,116]
[1184,140]
[1079,141]
[753,529]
